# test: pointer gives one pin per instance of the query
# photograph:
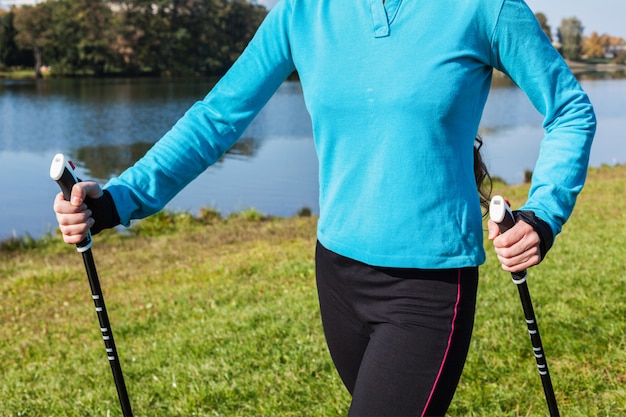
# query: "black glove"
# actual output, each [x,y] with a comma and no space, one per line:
[104,212]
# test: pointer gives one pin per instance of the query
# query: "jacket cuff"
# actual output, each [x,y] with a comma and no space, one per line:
[542,228]
[104,212]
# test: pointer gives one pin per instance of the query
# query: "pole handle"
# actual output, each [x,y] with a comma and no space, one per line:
[500,213]
[62,171]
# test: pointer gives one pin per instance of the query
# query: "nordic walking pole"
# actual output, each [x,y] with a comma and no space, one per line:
[62,171]
[500,213]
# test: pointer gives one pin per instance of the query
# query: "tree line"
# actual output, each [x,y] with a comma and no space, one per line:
[573,45]
[160,37]
[176,37]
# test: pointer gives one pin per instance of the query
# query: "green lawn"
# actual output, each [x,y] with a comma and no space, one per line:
[219,317]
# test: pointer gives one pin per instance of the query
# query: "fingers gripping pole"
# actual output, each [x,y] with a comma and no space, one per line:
[501,214]
[62,171]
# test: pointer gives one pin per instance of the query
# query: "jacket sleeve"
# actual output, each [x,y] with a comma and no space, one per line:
[211,126]
[522,51]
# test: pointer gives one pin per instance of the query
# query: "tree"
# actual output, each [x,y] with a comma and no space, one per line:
[570,35]
[543,22]
[236,26]
[33,25]
[8,48]
[595,45]
[94,22]
[83,36]
[187,36]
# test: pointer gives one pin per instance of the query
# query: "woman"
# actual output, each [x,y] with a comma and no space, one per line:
[395,90]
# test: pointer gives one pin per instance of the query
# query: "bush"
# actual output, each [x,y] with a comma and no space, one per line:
[620,58]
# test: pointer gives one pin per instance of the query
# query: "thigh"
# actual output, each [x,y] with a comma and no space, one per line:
[415,356]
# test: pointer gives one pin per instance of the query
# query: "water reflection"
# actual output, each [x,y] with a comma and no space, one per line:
[103,162]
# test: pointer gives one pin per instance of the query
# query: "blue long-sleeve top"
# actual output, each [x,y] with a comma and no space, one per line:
[395,91]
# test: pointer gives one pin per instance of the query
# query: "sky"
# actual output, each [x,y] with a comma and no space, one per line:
[602,16]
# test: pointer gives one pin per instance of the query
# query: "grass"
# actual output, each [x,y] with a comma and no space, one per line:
[218,317]
[19,74]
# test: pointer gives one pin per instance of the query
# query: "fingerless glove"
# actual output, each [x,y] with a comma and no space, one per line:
[542,228]
[103,212]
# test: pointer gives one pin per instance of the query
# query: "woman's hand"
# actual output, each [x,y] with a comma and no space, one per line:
[74,217]
[517,248]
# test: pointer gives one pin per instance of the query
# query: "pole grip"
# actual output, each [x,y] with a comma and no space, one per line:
[62,171]
[501,214]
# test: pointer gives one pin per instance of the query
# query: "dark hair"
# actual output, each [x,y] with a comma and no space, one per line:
[483,179]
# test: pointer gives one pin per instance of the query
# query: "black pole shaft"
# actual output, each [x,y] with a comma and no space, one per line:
[535,338]
[107,333]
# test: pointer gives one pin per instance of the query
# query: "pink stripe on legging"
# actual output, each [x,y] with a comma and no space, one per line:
[445,355]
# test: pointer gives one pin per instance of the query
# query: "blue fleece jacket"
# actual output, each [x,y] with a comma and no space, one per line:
[395,91]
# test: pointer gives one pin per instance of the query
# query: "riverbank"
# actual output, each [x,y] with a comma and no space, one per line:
[582,67]
[577,67]
[218,316]
[18,75]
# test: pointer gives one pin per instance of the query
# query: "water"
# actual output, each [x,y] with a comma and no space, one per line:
[106,125]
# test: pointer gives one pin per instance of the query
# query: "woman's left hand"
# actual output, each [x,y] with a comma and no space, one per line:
[517,248]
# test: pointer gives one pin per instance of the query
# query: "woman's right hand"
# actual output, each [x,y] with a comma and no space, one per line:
[74,217]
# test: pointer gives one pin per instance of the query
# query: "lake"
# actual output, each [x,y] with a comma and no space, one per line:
[105,125]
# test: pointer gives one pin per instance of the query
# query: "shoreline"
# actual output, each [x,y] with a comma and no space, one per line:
[577,67]
[580,67]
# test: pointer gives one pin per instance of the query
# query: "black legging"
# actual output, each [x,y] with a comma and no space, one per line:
[398,337]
